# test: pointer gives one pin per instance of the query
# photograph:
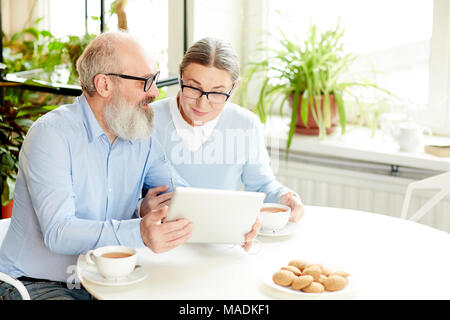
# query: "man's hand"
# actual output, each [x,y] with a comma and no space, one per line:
[161,237]
[250,236]
[293,202]
[154,200]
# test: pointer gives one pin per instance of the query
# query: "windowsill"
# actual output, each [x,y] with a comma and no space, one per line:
[357,144]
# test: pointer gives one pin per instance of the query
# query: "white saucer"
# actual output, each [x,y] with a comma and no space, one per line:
[288,230]
[91,274]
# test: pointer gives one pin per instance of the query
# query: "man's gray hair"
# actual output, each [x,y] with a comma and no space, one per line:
[100,56]
[211,52]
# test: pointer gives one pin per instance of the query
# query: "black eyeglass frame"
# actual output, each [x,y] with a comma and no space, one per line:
[207,93]
[153,78]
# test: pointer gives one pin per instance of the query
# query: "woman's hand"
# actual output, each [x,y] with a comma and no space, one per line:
[293,202]
[250,236]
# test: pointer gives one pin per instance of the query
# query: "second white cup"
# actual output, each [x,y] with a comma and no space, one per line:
[274,216]
[113,262]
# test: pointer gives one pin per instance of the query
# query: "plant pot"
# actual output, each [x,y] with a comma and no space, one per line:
[7,210]
[313,128]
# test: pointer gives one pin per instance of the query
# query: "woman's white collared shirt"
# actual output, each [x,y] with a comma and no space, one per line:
[192,136]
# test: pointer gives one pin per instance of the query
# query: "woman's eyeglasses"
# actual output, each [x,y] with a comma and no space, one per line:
[196,93]
[147,81]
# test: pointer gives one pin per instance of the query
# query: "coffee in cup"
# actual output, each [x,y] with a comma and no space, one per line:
[272,209]
[274,216]
[113,262]
[116,255]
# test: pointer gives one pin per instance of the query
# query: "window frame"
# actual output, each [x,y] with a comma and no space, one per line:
[439,87]
[177,34]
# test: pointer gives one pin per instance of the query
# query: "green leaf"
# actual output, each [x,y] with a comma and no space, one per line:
[38,20]
[46,33]
[283,102]
[304,108]
[341,111]
[327,110]
[293,120]
[7,161]
[31,111]
[56,46]
[16,36]
[5,193]
[260,105]
[33,31]
[11,186]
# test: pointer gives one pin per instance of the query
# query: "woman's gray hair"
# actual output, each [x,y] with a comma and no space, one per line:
[100,56]
[211,52]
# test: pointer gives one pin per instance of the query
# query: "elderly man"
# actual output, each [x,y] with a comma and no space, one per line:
[82,169]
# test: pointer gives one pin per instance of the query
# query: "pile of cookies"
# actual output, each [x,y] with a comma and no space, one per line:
[310,278]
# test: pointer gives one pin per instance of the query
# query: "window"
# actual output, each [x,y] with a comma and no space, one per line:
[391,38]
[148,20]
[406,42]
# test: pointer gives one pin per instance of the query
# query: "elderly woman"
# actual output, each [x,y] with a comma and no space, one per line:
[210,141]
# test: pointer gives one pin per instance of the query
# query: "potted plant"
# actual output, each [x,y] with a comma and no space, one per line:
[16,117]
[12,132]
[310,77]
[18,107]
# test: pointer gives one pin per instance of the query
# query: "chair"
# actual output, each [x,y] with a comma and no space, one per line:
[440,182]
[4,225]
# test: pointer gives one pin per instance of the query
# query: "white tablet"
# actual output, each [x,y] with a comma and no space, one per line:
[219,216]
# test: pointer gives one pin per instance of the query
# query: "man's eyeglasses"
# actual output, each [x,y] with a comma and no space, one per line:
[147,81]
[196,93]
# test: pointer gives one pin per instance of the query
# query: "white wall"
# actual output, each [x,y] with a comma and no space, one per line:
[216,18]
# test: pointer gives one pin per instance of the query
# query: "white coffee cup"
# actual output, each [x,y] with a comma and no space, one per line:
[410,136]
[276,219]
[113,262]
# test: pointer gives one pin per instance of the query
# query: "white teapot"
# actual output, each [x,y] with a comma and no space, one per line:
[410,136]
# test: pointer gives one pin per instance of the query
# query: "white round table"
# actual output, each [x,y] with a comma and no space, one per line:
[388,258]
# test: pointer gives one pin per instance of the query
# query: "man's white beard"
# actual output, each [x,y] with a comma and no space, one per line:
[127,121]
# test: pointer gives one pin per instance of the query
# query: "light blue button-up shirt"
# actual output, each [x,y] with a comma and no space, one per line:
[75,192]
[234,156]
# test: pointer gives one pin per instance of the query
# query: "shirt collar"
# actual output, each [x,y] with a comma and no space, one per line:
[92,126]
[193,136]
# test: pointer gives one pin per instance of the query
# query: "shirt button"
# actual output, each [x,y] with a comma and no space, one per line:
[110,190]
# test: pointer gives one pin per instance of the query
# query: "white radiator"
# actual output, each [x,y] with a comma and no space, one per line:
[328,185]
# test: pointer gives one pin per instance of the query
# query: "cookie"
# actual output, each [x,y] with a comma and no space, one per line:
[314,271]
[334,283]
[314,287]
[293,269]
[283,278]
[326,272]
[301,282]
[299,264]
[341,273]
[322,278]
[316,265]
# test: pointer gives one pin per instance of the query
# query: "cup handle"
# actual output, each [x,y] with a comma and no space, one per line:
[89,258]
[427,131]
